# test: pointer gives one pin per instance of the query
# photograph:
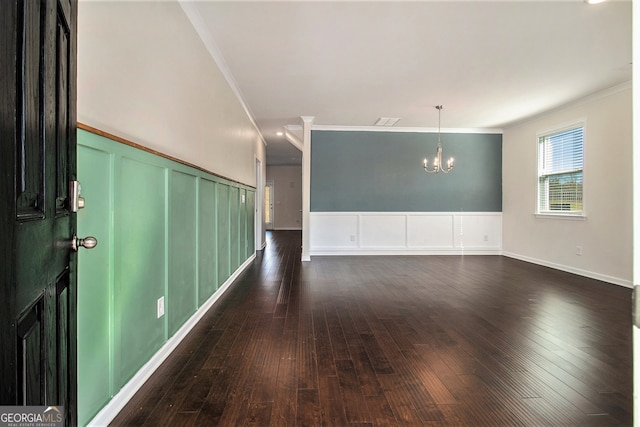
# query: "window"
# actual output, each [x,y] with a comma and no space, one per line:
[560,163]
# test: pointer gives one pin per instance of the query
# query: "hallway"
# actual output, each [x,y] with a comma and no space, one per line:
[407,340]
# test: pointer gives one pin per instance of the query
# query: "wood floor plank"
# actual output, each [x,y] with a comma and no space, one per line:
[379,361]
[259,414]
[198,392]
[286,395]
[380,411]
[403,340]
[339,345]
[244,360]
[306,354]
[213,407]
[324,352]
[355,404]
[265,376]
[401,406]
[365,371]
[308,410]
[427,376]
[184,419]
[331,403]
[349,330]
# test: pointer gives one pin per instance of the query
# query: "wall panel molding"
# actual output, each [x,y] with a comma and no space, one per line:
[165,230]
[406,233]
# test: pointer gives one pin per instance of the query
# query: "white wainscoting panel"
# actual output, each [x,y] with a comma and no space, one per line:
[334,231]
[430,231]
[478,231]
[383,231]
[412,233]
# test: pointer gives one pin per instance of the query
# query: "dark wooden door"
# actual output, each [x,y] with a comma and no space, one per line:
[37,163]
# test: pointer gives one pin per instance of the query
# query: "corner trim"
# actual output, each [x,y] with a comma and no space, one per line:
[118,402]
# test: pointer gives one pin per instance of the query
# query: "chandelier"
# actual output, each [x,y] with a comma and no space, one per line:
[437,161]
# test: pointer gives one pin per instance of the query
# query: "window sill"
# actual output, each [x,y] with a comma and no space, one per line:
[571,217]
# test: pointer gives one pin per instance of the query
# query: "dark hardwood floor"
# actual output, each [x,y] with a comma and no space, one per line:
[407,340]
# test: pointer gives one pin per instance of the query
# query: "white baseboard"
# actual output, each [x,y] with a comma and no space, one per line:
[115,405]
[578,271]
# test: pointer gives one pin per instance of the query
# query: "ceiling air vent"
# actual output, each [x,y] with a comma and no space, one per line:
[387,121]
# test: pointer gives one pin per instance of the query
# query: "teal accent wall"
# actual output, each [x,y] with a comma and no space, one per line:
[382,172]
[164,229]
[224,233]
[207,240]
[95,282]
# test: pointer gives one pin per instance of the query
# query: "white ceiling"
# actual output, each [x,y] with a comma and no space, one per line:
[348,63]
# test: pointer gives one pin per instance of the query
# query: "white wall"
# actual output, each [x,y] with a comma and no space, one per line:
[287,196]
[606,234]
[145,75]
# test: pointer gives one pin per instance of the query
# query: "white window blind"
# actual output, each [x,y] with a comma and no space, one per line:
[560,168]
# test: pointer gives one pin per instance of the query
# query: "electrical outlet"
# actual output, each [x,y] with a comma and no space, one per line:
[579,250]
[353,237]
[486,238]
[160,307]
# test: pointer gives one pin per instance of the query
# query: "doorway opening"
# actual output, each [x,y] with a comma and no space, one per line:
[268,205]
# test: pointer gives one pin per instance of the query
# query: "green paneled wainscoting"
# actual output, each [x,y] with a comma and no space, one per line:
[165,230]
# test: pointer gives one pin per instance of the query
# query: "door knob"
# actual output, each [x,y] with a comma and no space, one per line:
[88,242]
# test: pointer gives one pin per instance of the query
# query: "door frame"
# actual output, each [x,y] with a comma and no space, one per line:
[635,103]
[259,208]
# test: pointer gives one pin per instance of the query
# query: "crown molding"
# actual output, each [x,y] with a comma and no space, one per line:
[575,103]
[293,139]
[403,129]
[193,15]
